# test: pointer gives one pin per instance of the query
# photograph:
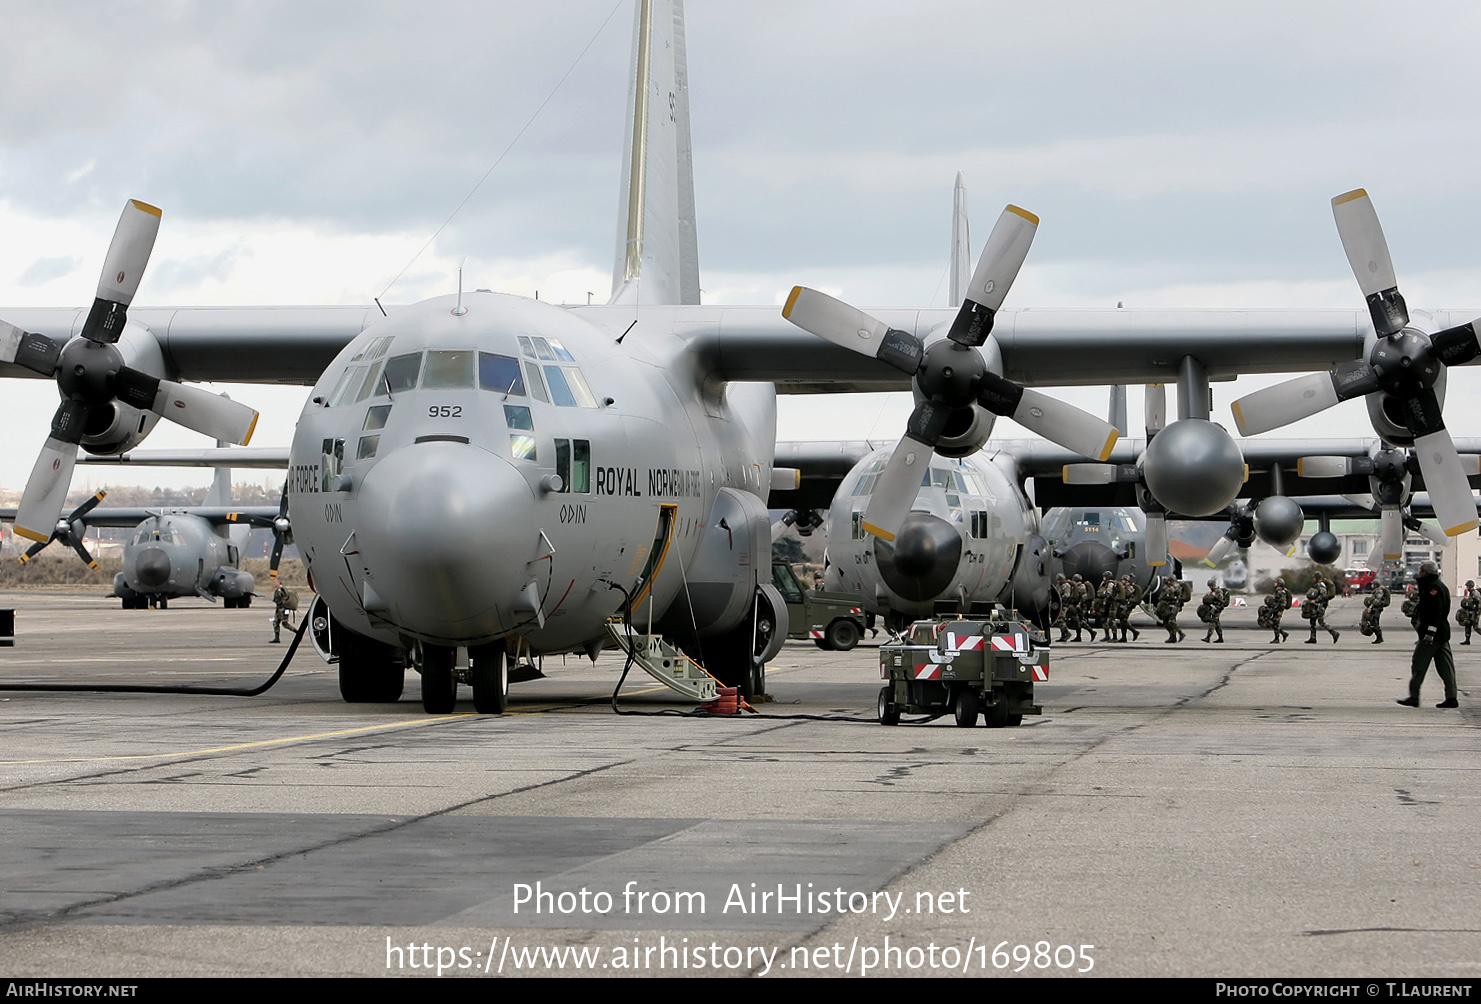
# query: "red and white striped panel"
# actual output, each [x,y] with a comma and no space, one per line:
[969,643]
[927,671]
[817,635]
[1041,674]
[1016,642]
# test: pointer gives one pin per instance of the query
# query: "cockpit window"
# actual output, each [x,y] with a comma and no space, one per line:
[448,368]
[537,384]
[349,378]
[501,374]
[560,351]
[367,385]
[560,390]
[542,349]
[518,417]
[401,373]
[375,417]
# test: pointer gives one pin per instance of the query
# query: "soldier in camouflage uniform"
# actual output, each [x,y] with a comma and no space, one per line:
[1131,595]
[1315,608]
[1214,602]
[1087,606]
[1470,604]
[1106,602]
[1278,603]
[1373,607]
[1074,616]
[1169,602]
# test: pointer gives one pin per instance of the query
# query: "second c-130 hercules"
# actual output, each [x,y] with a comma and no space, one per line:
[494,474]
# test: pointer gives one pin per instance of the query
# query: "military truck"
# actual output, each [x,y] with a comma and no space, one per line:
[834,621]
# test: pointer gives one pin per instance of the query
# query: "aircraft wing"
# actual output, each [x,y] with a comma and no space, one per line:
[269,458]
[822,465]
[290,345]
[129,516]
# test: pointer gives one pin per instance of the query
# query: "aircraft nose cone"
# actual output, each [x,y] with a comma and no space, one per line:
[152,567]
[1090,559]
[446,532]
[922,560]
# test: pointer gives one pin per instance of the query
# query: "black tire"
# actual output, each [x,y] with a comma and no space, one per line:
[822,643]
[489,667]
[842,634]
[756,679]
[965,707]
[439,685]
[1015,720]
[889,711]
[370,671]
[996,715]
[245,601]
[164,603]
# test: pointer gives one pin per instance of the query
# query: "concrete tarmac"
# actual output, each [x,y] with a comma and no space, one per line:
[1179,810]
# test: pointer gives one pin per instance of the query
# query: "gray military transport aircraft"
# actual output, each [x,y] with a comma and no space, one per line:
[496,474]
[175,551]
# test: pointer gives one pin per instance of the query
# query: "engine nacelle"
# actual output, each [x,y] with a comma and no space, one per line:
[1278,521]
[966,432]
[1193,467]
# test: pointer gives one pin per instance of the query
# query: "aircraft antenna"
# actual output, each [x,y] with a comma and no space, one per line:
[517,136]
[460,310]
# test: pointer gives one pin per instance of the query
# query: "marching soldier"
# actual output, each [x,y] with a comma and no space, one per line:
[1315,608]
[1470,603]
[1212,606]
[1280,602]
[1066,606]
[1131,595]
[1087,606]
[1373,607]
[1169,602]
[1106,602]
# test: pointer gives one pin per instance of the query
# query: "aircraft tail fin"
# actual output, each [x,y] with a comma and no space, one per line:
[961,243]
[657,249]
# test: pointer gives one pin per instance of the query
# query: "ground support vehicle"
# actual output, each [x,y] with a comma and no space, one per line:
[834,621]
[964,667]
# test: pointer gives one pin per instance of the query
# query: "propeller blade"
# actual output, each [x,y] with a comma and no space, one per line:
[215,416]
[88,506]
[1291,401]
[1445,480]
[1089,474]
[1455,346]
[123,267]
[1156,539]
[1221,549]
[75,540]
[850,328]
[277,556]
[36,353]
[1431,533]
[1367,253]
[1061,423]
[37,548]
[1154,408]
[1323,467]
[900,481]
[46,489]
[1391,533]
[1002,256]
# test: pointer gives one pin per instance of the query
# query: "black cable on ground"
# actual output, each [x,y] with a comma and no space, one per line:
[112,688]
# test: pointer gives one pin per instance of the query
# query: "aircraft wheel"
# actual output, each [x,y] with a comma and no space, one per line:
[889,712]
[997,715]
[965,707]
[756,680]
[490,671]
[245,601]
[843,634]
[439,685]
[164,603]
[370,671]
[1015,720]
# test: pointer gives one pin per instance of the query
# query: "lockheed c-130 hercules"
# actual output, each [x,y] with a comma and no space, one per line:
[492,473]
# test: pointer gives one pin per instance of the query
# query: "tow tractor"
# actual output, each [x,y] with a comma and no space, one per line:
[964,666]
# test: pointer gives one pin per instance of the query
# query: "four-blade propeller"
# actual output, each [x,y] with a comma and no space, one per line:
[91,375]
[69,531]
[951,374]
[1404,364]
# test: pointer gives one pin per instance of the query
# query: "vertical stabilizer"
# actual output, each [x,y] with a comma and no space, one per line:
[961,244]
[657,249]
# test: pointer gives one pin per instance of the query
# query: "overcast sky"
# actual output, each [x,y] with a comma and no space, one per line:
[1178,154]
